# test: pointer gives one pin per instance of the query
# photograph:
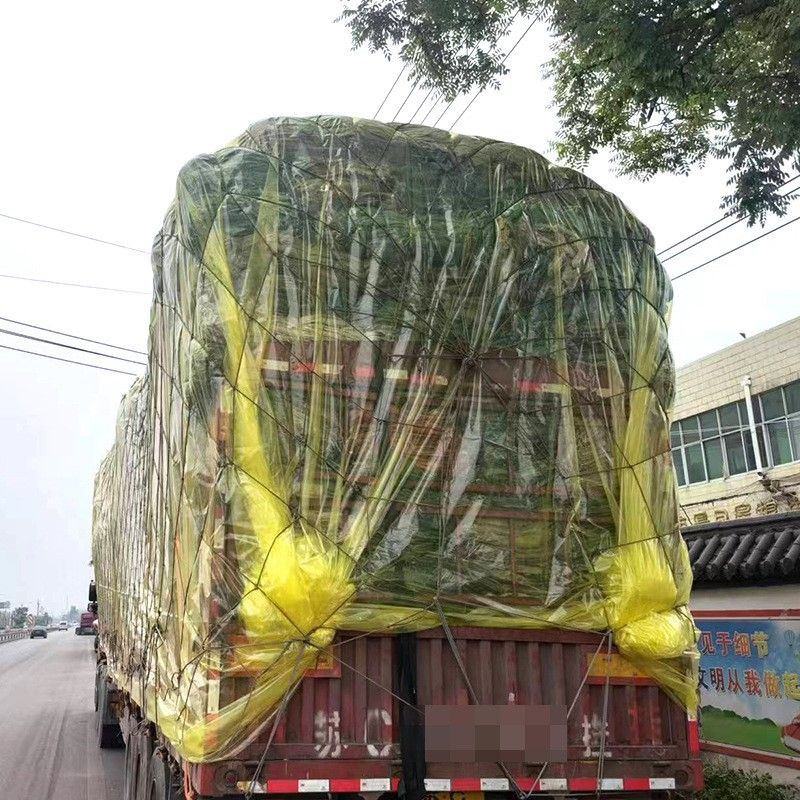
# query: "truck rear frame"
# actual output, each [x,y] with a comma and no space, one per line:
[340,732]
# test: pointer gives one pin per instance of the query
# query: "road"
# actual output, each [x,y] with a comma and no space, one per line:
[47,735]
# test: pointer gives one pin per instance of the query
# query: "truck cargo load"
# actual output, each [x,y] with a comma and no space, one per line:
[406,405]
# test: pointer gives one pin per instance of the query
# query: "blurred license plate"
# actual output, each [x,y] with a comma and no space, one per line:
[469,734]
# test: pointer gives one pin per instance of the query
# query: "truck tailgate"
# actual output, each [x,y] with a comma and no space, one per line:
[340,731]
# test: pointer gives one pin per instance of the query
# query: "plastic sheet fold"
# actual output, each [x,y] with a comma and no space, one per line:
[391,369]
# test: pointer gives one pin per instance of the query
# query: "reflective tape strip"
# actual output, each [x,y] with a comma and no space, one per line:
[661,783]
[375,785]
[465,785]
[494,785]
[345,785]
[355,785]
[437,784]
[590,784]
[308,785]
[552,784]
[694,735]
[276,366]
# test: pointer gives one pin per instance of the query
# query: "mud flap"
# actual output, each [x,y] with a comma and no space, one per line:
[412,728]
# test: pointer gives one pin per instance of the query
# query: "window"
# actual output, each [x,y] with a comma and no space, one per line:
[712,445]
[779,423]
[718,443]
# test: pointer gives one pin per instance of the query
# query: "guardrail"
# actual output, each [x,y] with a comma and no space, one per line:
[10,636]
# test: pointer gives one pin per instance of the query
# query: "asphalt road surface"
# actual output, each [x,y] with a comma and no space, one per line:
[47,734]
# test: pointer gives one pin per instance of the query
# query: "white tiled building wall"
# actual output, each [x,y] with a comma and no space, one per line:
[770,359]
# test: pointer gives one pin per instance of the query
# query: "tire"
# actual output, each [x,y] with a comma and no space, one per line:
[108,731]
[162,784]
[131,781]
[145,758]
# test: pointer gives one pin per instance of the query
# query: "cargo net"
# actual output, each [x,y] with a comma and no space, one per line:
[397,379]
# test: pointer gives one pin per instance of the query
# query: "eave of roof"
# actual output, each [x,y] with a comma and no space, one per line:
[753,550]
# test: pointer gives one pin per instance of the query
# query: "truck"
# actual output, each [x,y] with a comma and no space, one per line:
[85,626]
[391,513]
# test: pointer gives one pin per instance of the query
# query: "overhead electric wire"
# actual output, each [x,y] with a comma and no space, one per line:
[73,336]
[430,110]
[704,239]
[391,89]
[73,233]
[69,346]
[505,58]
[450,104]
[712,224]
[419,107]
[68,360]
[408,97]
[75,285]
[734,249]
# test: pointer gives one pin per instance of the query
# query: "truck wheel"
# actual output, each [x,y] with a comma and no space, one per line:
[145,747]
[131,781]
[163,784]
[108,731]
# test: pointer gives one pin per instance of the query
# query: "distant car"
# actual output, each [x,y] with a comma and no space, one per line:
[62,626]
[38,633]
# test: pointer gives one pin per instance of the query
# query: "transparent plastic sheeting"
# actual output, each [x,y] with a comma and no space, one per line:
[391,370]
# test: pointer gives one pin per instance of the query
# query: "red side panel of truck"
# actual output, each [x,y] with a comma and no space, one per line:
[340,731]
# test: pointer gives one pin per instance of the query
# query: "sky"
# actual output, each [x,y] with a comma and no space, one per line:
[103,103]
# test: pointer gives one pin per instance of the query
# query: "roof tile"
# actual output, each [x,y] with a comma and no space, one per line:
[753,550]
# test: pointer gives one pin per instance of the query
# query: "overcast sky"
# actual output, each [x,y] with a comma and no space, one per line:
[103,103]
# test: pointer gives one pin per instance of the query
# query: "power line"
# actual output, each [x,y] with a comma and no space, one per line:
[391,89]
[505,58]
[419,107]
[69,346]
[73,336]
[430,110]
[73,233]
[704,239]
[75,285]
[408,96]
[734,249]
[450,104]
[68,360]
[712,224]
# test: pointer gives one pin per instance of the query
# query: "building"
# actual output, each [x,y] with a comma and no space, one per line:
[735,434]
[735,440]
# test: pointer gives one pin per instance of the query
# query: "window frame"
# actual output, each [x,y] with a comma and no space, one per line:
[790,421]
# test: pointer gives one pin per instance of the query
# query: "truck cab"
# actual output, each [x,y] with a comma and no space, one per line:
[86,624]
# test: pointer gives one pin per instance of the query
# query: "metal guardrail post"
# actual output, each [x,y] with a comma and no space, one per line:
[10,636]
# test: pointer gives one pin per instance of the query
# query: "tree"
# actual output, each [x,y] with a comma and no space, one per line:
[73,615]
[19,617]
[43,619]
[662,84]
